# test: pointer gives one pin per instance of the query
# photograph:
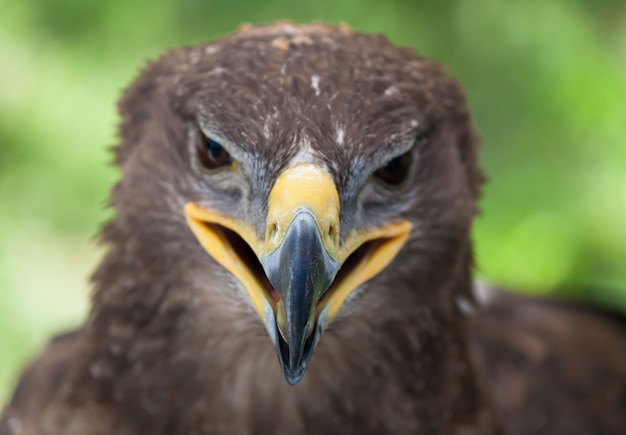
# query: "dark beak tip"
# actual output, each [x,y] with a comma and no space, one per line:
[294,376]
[293,363]
[293,367]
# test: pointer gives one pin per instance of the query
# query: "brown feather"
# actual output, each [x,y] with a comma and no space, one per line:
[553,367]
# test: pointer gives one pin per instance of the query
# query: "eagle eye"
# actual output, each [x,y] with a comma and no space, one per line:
[212,155]
[395,170]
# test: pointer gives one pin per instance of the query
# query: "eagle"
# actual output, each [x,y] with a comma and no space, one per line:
[291,254]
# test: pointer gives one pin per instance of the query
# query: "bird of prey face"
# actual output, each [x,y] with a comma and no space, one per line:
[316,186]
[304,159]
[308,184]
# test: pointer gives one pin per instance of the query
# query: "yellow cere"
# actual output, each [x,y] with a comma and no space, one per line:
[303,187]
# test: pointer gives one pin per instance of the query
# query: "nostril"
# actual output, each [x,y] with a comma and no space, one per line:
[271,231]
[333,233]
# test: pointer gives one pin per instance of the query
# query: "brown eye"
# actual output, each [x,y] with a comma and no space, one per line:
[212,155]
[395,171]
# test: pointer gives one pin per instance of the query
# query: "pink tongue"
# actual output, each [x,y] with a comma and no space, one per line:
[274,295]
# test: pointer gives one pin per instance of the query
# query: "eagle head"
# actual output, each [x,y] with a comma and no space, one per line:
[298,175]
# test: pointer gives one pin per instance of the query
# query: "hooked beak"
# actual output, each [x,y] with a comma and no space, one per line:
[300,273]
[300,270]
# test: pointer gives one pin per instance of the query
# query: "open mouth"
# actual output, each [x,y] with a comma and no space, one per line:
[248,259]
[360,264]
[299,273]
[351,270]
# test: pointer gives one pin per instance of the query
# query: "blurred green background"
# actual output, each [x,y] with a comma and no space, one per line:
[546,81]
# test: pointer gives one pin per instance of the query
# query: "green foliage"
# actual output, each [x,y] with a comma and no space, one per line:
[544,79]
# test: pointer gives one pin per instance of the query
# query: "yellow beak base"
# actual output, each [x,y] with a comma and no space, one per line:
[306,187]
